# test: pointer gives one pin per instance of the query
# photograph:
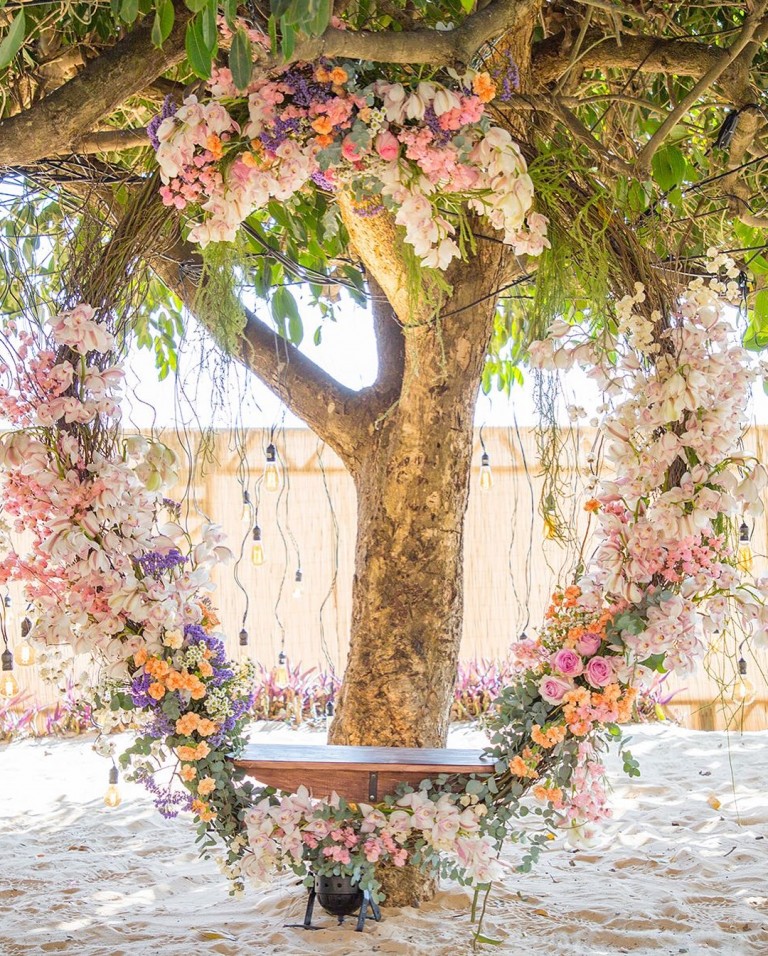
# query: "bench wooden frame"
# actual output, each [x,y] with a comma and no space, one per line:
[359,774]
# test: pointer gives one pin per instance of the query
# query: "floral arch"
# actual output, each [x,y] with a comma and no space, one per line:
[111,570]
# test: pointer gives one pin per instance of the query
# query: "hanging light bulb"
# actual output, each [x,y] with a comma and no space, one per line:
[744,560]
[243,637]
[743,690]
[25,653]
[257,550]
[271,469]
[298,585]
[329,709]
[247,505]
[486,475]
[8,685]
[280,671]
[112,796]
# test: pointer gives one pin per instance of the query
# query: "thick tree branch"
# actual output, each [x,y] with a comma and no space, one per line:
[337,414]
[390,343]
[61,118]
[107,141]
[433,47]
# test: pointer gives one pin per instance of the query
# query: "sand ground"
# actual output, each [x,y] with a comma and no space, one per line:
[673,872]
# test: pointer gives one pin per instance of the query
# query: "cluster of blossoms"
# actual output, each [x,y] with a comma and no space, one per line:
[426,151]
[103,569]
[664,575]
[442,830]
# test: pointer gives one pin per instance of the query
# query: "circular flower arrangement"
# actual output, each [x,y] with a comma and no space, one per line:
[107,574]
[426,150]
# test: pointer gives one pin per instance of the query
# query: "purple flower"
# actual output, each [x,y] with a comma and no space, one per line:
[154,563]
[169,108]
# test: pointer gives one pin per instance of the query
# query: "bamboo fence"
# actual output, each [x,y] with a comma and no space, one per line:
[510,565]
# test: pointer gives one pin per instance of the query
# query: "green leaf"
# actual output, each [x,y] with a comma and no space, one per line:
[240,61]
[196,5]
[668,166]
[209,29]
[230,12]
[319,18]
[198,54]
[129,10]
[163,24]
[288,39]
[280,7]
[760,311]
[12,40]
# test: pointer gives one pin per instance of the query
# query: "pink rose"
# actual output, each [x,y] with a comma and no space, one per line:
[599,671]
[350,150]
[553,689]
[387,145]
[588,644]
[567,662]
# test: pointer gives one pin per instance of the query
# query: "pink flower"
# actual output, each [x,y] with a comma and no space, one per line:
[599,671]
[588,644]
[567,662]
[387,145]
[553,689]
[350,150]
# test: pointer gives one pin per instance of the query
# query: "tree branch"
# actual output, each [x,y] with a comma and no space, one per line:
[56,122]
[754,28]
[337,414]
[434,47]
[390,343]
[107,141]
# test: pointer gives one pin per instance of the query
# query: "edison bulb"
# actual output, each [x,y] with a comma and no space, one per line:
[257,549]
[25,654]
[743,690]
[298,585]
[280,671]
[112,796]
[8,685]
[486,475]
[550,525]
[271,470]
[246,514]
[744,559]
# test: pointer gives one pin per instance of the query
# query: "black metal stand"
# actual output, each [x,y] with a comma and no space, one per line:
[361,918]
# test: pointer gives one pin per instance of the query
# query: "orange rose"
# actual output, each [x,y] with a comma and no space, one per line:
[174,681]
[203,810]
[206,727]
[207,785]
[187,772]
[484,87]
[213,143]
[205,669]
[156,690]
[186,753]
[322,125]
[592,506]
[140,656]
[202,750]
[186,724]
[323,141]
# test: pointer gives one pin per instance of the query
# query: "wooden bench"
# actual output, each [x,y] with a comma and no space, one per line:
[359,774]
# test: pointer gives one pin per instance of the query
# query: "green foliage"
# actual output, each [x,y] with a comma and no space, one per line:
[217,304]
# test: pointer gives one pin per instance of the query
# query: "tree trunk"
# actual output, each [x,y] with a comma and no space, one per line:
[412,491]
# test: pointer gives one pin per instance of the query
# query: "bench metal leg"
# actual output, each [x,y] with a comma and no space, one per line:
[375,912]
[310,907]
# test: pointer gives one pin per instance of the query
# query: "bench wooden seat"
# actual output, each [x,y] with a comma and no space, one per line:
[359,774]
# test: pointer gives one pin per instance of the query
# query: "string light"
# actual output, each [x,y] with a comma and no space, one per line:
[247,506]
[271,469]
[25,653]
[744,559]
[743,689]
[8,685]
[280,671]
[243,637]
[486,475]
[112,796]
[298,585]
[257,549]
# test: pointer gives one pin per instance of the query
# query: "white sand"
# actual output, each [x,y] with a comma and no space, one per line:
[671,874]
